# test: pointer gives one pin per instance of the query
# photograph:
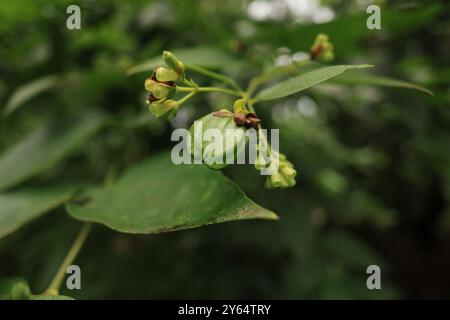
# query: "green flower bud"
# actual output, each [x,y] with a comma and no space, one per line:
[327,57]
[284,177]
[158,89]
[205,150]
[322,49]
[321,39]
[239,106]
[173,63]
[160,108]
[164,74]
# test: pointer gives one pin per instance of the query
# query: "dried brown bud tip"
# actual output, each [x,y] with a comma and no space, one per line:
[252,121]
[315,52]
[239,119]
[151,98]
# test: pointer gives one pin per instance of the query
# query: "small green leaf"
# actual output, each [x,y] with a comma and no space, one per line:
[208,57]
[20,207]
[28,91]
[363,78]
[50,297]
[310,77]
[14,289]
[45,147]
[157,196]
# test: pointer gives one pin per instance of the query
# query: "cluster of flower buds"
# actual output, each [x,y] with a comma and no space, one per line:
[282,172]
[322,49]
[285,175]
[161,86]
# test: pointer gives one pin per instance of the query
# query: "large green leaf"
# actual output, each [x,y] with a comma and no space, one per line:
[364,78]
[28,91]
[45,147]
[308,78]
[208,57]
[158,196]
[20,207]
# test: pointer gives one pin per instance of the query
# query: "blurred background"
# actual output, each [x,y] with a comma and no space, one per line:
[373,162]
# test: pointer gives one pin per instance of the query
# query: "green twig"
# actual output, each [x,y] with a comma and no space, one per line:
[55,285]
[186,98]
[214,75]
[209,89]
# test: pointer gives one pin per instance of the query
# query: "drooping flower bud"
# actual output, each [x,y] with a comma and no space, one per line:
[161,108]
[164,74]
[173,63]
[226,139]
[284,177]
[322,49]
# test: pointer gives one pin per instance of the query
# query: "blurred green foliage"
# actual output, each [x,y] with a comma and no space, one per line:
[374,162]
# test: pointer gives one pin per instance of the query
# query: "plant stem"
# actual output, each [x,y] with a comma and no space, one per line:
[55,285]
[214,75]
[186,98]
[209,89]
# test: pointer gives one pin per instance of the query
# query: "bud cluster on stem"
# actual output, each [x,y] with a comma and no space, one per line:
[166,81]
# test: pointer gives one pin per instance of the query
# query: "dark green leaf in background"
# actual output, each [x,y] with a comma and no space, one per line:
[14,288]
[19,207]
[28,91]
[208,57]
[44,147]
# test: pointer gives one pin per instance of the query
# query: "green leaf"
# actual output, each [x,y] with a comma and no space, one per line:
[28,91]
[20,207]
[364,78]
[14,288]
[310,77]
[208,57]
[157,196]
[274,73]
[50,297]
[44,147]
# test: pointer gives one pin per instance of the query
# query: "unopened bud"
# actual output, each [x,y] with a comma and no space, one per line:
[173,63]
[285,175]
[160,108]
[158,89]
[322,49]
[164,74]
